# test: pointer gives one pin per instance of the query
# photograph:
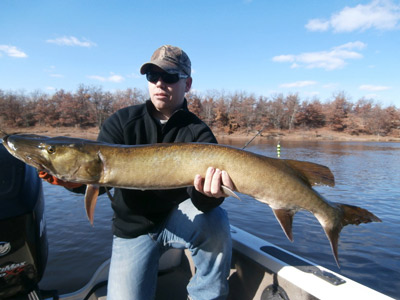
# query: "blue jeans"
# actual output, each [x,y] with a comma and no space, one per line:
[134,262]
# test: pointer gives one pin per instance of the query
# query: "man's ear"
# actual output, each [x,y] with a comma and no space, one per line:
[189,81]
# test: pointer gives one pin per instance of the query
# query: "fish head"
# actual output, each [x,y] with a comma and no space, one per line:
[66,158]
[25,147]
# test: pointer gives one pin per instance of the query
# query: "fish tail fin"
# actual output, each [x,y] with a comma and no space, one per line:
[92,192]
[356,215]
[285,219]
[349,215]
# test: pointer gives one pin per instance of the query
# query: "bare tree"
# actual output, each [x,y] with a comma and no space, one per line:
[310,115]
[233,112]
[276,111]
[337,112]
[292,104]
[128,97]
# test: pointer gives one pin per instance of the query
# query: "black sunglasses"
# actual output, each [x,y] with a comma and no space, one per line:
[153,77]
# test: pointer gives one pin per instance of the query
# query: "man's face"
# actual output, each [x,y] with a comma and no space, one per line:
[168,97]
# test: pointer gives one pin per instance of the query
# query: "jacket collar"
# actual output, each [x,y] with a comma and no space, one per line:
[150,107]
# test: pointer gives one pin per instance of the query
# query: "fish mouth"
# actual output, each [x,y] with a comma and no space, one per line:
[34,162]
[17,146]
[8,145]
[3,136]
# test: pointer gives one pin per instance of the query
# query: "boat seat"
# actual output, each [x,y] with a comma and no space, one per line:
[170,259]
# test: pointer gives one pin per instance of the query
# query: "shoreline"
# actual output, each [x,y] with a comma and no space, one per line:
[304,135]
[267,135]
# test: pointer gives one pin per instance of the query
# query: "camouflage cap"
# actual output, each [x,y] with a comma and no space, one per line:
[171,59]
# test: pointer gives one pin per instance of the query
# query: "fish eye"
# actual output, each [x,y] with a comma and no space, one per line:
[51,149]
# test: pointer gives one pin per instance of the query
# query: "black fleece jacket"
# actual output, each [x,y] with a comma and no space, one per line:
[138,212]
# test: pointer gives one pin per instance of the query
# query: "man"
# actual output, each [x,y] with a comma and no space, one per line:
[147,223]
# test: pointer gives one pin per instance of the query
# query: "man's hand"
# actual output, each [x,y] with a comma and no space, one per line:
[54,180]
[211,184]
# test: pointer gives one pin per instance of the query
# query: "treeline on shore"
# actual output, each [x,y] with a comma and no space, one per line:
[242,112]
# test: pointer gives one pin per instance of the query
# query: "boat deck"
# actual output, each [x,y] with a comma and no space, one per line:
[259,271]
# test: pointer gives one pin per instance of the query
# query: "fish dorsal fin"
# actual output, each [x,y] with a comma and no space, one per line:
[92,192]
[285,219]
[314,174]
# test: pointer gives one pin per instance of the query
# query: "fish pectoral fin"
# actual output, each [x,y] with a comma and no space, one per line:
[315,174]
[92,192]
[285,219]
[230,192]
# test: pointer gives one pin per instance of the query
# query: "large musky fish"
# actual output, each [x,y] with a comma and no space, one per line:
[285,185]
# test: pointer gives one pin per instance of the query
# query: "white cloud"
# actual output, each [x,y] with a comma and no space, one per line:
[298,84]
[71,41]
[115,78]
[51,71]
[352,45]
[284,58]
[112,78]
[329,60]
[317,25]
[12,51]
[379,14]
[374,88]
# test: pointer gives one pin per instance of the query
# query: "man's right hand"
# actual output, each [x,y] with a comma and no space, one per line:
[54,180]
[211,184]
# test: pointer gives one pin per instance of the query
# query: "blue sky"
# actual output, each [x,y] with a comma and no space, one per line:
[313,48]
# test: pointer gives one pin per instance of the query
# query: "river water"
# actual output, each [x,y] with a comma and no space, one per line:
[366,173]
